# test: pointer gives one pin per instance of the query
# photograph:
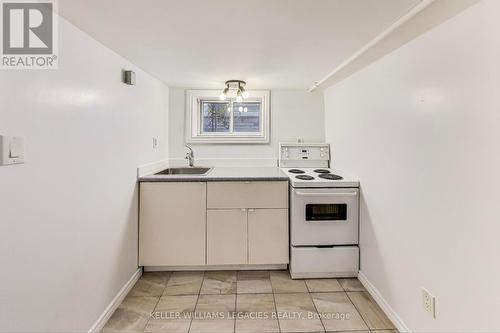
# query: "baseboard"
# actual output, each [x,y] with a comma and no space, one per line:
[388,310]
[103,318]
[215,268]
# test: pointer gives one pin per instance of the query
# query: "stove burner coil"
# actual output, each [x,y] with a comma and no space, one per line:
[304,177]
[296,171]
[330,176]
[322,171]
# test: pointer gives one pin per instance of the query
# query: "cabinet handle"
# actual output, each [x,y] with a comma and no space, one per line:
[247,182]
[250,210]
[243,209]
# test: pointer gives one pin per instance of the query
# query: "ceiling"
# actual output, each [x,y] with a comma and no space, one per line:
[202,43]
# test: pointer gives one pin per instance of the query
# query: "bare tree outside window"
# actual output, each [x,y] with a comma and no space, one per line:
[216,117]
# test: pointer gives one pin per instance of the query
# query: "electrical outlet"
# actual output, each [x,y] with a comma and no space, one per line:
[155,142]
[429,302]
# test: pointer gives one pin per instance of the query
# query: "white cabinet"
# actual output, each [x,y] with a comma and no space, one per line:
[172,222]
[227,237]
[268,236]
[214,223]
[247,223]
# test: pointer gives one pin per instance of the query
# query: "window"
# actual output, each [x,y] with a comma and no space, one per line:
[214,121]
[215,117]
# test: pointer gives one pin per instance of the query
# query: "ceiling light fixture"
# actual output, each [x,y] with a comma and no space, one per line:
[239,87]
[244,93]
[239,97]
[223,95]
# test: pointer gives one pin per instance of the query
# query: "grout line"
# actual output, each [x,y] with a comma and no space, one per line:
[147,322]
[276,311]
[235,310]
[341,286]
[193,313]
[196,304]
[359,312]
[320,319]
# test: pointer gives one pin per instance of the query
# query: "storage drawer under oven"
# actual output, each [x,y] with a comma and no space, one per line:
[324,216]
[317,262]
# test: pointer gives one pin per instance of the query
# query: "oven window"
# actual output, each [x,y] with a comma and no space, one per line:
[326,212]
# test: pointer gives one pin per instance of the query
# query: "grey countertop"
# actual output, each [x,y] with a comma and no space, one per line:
[223,174]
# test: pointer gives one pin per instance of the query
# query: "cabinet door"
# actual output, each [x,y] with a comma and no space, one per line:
[227,237]
[268,236]
[172,224]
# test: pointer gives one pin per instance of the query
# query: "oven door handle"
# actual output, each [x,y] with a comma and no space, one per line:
[310,194]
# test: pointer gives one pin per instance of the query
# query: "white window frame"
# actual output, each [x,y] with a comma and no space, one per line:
[194,118]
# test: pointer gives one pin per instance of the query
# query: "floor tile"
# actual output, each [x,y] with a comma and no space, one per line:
[172,314]
[219,282]
[184,304]
[323,285]
[351,284]
[150,284]
[297,313]
[132,315]
[283,283]
[168,326]
[372,314]
[257,326]
[255,302]
[337,312]
[256,313]
[184,283]
[216,303]
[254,287]
[212,326]
[254,282]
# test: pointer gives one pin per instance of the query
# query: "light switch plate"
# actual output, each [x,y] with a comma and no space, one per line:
[11,150]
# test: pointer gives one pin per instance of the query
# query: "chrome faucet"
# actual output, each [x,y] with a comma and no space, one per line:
[190,156]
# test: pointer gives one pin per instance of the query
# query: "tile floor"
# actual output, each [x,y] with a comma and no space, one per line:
[246,301]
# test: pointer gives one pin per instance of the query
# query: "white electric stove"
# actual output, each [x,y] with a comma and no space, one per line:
[324,213]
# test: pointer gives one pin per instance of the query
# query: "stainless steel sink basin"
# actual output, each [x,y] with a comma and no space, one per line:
[184,171]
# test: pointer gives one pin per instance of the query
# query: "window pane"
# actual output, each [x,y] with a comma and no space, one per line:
[246,117]
[216,116]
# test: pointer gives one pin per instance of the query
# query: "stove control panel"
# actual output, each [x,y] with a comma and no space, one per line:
[302,154]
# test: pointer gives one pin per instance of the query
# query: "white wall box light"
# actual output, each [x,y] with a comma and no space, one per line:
[129,78]
[213,119]
[11,150]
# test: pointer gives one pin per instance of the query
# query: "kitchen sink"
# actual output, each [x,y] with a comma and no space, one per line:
[184,171]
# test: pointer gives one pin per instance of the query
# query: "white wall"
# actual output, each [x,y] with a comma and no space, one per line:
[294,114]
[68,217]
[420,128]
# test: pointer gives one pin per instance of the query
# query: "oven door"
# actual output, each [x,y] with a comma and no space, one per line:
[324,216]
